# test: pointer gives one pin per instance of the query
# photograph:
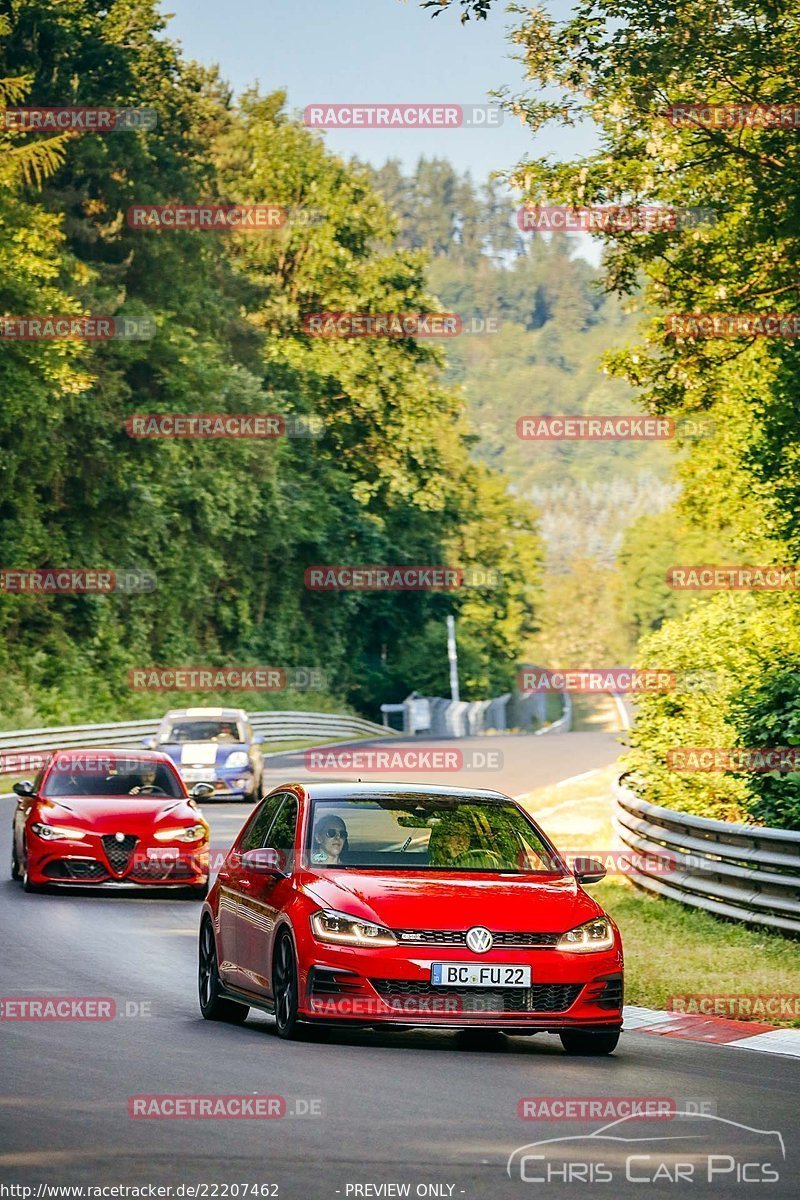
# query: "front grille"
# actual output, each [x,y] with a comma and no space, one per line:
[75,868]
[458,937]
[119,853]
[541,997]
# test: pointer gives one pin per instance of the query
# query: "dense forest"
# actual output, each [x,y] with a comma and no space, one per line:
[227,527]
[629,68]
[418,461]
[549,324]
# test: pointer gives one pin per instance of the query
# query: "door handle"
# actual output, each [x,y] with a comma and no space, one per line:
[245,884]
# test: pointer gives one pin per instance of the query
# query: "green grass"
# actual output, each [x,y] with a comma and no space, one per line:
[670,949]
[674,950]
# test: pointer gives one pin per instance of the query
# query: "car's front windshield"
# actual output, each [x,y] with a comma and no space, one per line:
[181,731]
[124,780]
[426,832]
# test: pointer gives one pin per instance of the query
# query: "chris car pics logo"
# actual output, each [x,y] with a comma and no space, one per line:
[701,1148]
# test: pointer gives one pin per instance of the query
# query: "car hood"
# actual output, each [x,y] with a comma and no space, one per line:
[201,754]
[107,814]
[430,900]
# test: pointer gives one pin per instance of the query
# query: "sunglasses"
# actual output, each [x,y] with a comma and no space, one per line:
[333,833]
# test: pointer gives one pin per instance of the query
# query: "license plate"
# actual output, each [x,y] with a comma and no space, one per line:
[488,975]
[193,775]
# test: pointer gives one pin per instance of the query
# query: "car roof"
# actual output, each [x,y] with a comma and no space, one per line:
[226,714]
[113,754]
[343,789]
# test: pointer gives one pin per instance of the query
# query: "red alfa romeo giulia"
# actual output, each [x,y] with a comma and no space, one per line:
[390,903]
[110,818]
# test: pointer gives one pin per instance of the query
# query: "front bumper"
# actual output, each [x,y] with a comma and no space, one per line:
[85,864]
[230,785]
[392,986]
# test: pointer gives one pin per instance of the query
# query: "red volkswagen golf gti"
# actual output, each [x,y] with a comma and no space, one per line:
[110,818]
[390,903]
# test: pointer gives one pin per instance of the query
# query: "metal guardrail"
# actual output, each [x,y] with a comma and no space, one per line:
[745,872]
[274,726]
[564,722]
[435,716]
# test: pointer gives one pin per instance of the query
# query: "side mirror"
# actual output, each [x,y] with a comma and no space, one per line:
[149,743]
[265,861]
[588,870]
[24,788]
[201,791]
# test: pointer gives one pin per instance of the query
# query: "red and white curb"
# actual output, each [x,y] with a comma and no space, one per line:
[744,1035]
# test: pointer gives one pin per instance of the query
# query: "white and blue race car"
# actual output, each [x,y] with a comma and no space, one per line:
[213,745]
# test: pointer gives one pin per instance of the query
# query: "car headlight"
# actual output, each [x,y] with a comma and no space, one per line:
[331,926]
[183,833]
[49,833]
[237,760]
[593,935]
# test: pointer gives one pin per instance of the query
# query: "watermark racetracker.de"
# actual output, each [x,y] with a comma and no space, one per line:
[214,1107]
[46,327]
[390,115]
[387,577]
[611,218]
[621,427]
[206,218]
[628,680]
[70,581]
[78,119]
[607,1108]
[396,324]
[706,577]
[71,1008]
[224,425]
[226,679]
[733,116]
[737,1006]
[762,760]
[395,760]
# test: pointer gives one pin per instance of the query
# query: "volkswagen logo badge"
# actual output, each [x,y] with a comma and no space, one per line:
[479,939]
[119,837]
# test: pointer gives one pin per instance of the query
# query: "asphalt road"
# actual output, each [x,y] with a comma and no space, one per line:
[431,1110]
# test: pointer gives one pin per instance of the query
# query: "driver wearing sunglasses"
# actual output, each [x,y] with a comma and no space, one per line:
[330,841]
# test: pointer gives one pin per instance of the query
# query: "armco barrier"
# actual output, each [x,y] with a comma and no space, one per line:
[746,872]
[274,726]
[462,718]
[564,722]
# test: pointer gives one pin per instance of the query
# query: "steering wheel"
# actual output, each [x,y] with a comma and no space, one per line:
[150,789]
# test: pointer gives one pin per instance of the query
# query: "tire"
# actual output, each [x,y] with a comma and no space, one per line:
[589,1043]
[16,873]
[285,989]
[213,1005]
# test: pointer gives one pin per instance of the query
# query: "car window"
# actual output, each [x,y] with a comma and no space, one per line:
[182,731]
[281,836]
[427,832]
[256,831]
[123,778]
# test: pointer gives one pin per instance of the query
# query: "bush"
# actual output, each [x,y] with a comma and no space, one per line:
[750,647]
